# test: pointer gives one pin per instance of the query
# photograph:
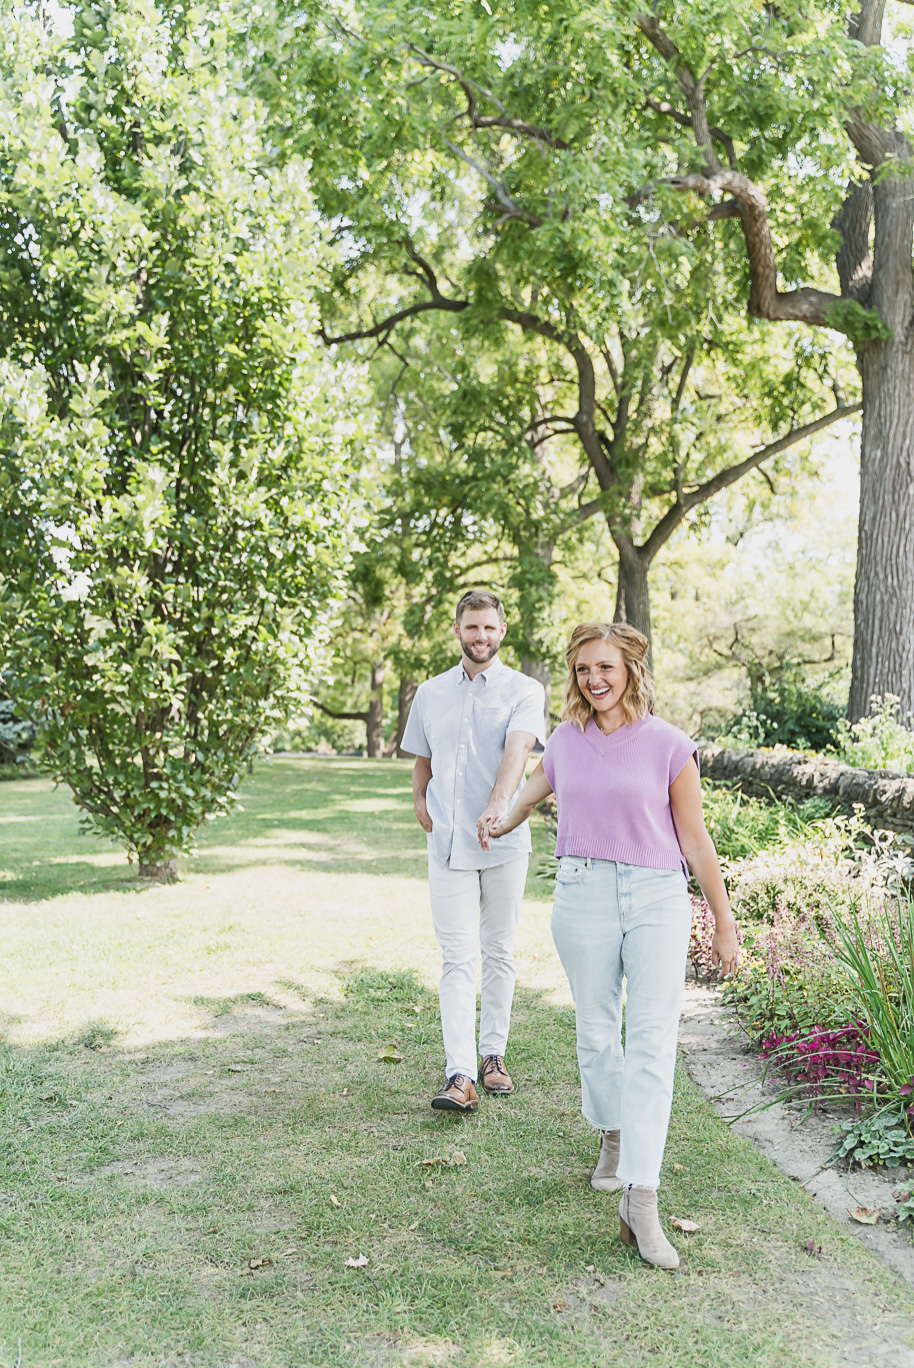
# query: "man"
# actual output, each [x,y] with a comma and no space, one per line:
[471,730]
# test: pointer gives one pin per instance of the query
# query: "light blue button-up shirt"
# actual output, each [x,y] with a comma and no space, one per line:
[461,724]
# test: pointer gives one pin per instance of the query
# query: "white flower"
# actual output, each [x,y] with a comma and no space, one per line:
[78,587]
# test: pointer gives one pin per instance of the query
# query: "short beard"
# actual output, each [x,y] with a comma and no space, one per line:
[468,651]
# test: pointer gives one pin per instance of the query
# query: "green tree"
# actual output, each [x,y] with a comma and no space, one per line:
[172,532]
[792,117]
[505,173]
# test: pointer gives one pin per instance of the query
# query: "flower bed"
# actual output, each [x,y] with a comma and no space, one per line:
[825,988]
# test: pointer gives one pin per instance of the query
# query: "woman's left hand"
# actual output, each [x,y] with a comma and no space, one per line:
[725,947]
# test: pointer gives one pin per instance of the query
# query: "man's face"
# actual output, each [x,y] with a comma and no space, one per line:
[480,634]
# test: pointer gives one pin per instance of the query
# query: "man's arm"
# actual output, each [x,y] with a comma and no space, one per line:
[518,745]
[422,773]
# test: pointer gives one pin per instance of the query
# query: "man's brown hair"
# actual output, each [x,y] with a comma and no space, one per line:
[479,598]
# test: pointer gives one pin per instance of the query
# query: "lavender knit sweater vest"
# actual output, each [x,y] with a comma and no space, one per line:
[613,792]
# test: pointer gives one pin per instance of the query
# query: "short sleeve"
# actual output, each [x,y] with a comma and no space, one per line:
[529,714]
[415,739]
[682,750]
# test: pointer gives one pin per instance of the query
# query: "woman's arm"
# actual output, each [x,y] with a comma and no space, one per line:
[534,791]
[698,849]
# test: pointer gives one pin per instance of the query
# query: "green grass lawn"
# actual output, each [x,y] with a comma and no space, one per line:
[198,1133]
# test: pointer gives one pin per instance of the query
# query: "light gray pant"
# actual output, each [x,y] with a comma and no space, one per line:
[612,920]
[473,908]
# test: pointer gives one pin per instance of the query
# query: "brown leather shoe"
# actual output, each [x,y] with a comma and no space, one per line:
[458,1094]
[495,1077]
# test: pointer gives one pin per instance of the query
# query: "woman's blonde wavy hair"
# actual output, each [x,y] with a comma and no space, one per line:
[638,699]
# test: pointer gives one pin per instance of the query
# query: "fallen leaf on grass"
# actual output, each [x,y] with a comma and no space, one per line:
[213,1230]
[452,1160]
[559,1306]
[812,1249]
[677,1168]
[901,1194]
[334,1200]
[413,1226]
[360,1262]
[287,1254]
[863,1216]
[390,1053]
[253,1264]
[687,1227]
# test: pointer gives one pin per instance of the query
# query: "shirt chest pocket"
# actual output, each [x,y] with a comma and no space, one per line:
[493,717]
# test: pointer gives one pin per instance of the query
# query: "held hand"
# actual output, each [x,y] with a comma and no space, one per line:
[488,825]
[725,948]
[422,816]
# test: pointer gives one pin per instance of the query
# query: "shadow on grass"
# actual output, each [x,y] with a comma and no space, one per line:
[313,815]
[270,1191]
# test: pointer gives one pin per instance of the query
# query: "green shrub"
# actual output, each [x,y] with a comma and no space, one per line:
[17,735]
[742,827]
[882,1137]
[881,741]
[875,956]
[785,709]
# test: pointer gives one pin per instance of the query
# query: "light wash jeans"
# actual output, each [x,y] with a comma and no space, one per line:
[611,920]
[473,908]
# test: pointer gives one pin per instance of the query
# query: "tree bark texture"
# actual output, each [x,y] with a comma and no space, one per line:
[405,695]
[374,719]
[633,599]
[887,799]
[884,590]
[163,871]
[537,669]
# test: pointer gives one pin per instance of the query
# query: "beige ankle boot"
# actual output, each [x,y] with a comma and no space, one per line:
[604,1175]
[639,1225]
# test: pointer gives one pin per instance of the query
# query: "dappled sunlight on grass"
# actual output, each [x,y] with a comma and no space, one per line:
[202,1131]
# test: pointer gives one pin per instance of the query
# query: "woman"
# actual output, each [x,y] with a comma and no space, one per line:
[630,826]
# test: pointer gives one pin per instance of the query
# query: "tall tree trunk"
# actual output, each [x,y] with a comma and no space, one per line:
[884,590]
[405,695]
[539,670]
[633,600]
[374,721]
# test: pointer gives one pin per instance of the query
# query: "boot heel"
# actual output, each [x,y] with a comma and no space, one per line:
[625,1233]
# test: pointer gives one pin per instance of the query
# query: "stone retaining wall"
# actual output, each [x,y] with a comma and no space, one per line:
[887,799]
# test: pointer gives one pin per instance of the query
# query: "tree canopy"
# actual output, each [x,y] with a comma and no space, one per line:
[173,510]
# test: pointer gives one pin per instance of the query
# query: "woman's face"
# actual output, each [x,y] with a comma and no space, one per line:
[602,678]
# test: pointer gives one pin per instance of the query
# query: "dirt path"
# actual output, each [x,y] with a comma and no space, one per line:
[733,1080]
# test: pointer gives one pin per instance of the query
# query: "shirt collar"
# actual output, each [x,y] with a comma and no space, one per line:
[493,667]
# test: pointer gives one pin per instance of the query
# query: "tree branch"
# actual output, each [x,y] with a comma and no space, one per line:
[512,209]
[501,120]
[685,121]
[765,300]
[341,716]
[386,327]
[853,258]
[806,305]
[724,478]
[692,90]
